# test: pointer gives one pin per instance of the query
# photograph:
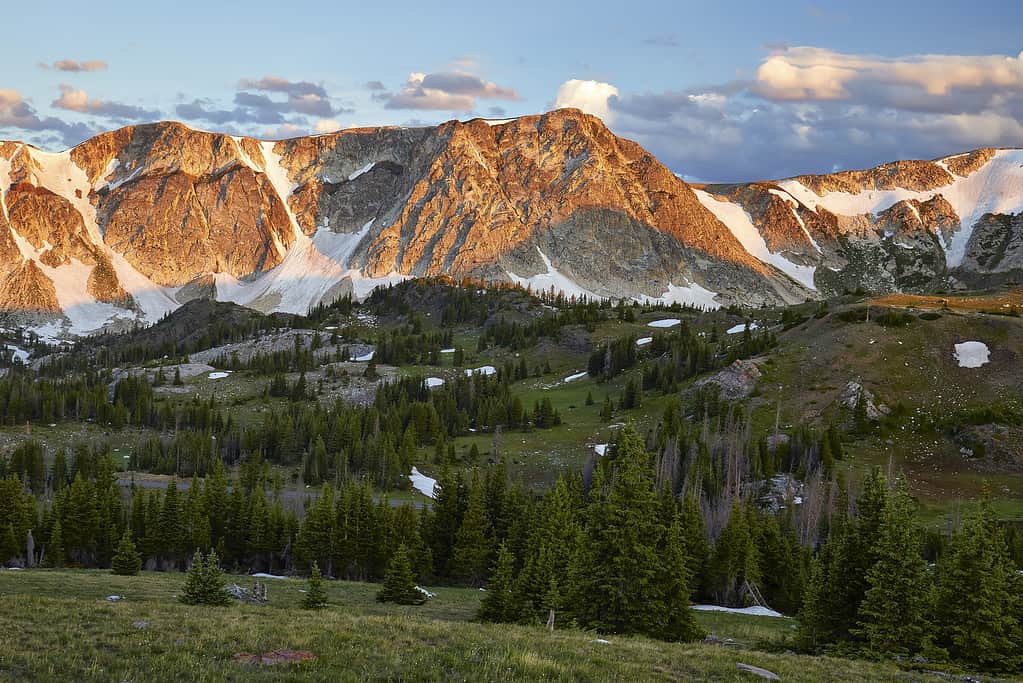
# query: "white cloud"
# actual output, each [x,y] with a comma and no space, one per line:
[446,91]
[326,126]
[813,73]
[591,97]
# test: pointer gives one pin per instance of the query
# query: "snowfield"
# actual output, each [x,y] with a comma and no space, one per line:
[432,382]
[218,375]
[971,354]
[643,341]
[422,483]
[667,322]
[578,375]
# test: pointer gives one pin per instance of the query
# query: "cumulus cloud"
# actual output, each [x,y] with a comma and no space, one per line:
[811,73]
[72,99]
[285,130]
[592,97]
[446,91]
[326,126]
[816,110]
[18,114]
[72,66]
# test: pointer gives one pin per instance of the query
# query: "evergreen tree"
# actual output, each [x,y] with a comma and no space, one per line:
[315,595]
[399,583]
[204,582]
[619,574]
[55,552]
[474,542]
[680,624]
[9,546]
[126,561]
[978,597]
[892,614]
[501,603]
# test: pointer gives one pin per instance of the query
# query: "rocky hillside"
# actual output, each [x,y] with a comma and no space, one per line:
[131,224]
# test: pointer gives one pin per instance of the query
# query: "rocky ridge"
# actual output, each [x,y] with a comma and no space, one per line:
[132,223]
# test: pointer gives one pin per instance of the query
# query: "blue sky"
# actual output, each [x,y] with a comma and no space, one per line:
[718,91]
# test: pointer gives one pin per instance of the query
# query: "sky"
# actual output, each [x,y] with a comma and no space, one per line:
[722,91]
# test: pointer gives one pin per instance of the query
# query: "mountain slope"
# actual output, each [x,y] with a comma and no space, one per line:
[132,223]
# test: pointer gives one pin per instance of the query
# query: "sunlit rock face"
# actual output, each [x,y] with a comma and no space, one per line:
[130,224]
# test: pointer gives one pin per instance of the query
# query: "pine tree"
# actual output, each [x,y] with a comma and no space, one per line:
[204,582]
[501,603]
[618,576]
[9,547]
[316,594]
[399,583]
[55,548]
[892,614]
[474,542]
[680,624]
[126,560]
[978,606]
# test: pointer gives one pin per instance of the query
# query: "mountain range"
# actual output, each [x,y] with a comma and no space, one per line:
[132,223]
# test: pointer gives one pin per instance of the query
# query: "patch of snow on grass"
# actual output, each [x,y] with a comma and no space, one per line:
[432,382]
[755,611]
[218,375]
[264,575]
[422,483]
[447,350]
[666,322]
[643,341]
[736,329]
[483,370]
[972,354]
[578,375]
[18,354]
[365,357]
[600,448]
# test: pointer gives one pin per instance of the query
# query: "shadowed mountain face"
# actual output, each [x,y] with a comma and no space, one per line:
[130,224]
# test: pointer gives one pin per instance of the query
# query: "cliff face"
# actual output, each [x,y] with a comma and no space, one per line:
[130,224]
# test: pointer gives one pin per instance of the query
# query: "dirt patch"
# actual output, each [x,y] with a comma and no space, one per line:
[274,657]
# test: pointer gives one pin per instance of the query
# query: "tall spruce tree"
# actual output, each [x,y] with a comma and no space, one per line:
[501,602]
[474,542]
[978,597]
[892,616]
[126,561]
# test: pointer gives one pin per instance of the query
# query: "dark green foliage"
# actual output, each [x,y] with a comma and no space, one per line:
[501,602]
[399,583]
[315,595]
[204,582]
[126,560]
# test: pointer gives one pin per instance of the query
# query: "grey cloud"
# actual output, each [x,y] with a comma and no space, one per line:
[72,66]
[75,100]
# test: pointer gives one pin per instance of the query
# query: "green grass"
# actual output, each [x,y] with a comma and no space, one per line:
[57,625]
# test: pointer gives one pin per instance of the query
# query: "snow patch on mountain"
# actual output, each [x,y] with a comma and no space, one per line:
[365,169]
[794,205]
[688,295]
[552,279]
[996,187]
[741,226]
